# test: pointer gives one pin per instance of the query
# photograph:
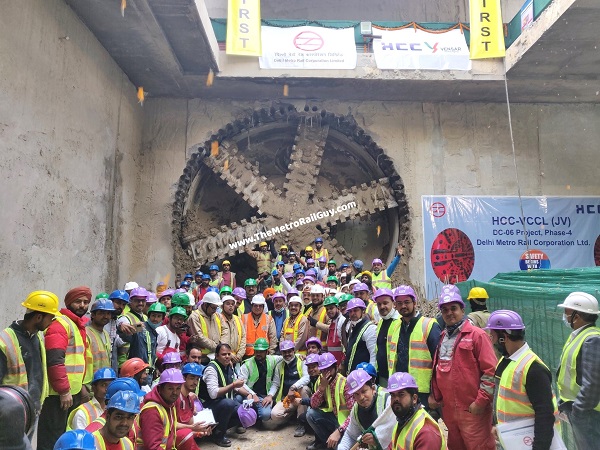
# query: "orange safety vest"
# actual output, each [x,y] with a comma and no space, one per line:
[290,333]
[254,332]
[90,411]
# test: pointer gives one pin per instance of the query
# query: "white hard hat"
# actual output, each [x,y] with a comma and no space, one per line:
[353,282]
[581,301]
[317,289]
[212,298]
[192,298]
[295,299]
[227,297]
[258,300]
[130,285]
[330,291]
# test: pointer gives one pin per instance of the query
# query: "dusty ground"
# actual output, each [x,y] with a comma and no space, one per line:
[282,439]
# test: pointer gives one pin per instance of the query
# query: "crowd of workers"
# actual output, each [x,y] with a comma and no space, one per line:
[334,348]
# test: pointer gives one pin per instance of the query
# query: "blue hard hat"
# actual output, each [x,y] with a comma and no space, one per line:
[123,384]
[275,272]
[188,275]
[213,289]
[198,274]
[185,283]
[76,440]
[119,295]
[280,263]
[104,373]
[126,401]
[319,239]
[296,267]
[367,367]
[300,271]
[343,266]
[205,276]
[213,267]
[358,264]
[192,369]
[103,304]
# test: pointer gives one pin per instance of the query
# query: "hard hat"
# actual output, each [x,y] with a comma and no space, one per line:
[330,301]
[345,298]
[104,373]
[278,295]
[368,367]
[133,366]
[344,266]
[311,272]
[261,344]
[76,440]
[42,301]
[356,303]
[275,272]
[119,295]
[151,298]
[192,369]
[171,358]
[300,271]
[326,360]
[319,239]
[280,263]
[308,278]
[205,276]
[247,416]
[123,384]
[186,284]
[310,261]
[296,266]
[450,298]
[313,358]
[332,261]
[317,289]
[262,244]
[213,267]
[313,340]
[292,253]
[171,376]
[308,249]
[295,299]
[213,289]
[212,298]
[180,299]
[167,293]
[322,259]
[581,301]
[130,285]
[366,273]
[225,290]
[448,289]
[126,401]
[178,310]
[377,261]
[103,304]
[226,261]
[198,274]
[157,308]
[283,247]
[360,287]
[139,292]
[292,291]
[358,264]
[250,282]
[299,283]
[477,292]
[356,380]
[258,300]
[333,278]
[227,298]
[286,345]
[383,292]
[401,380]
[101,295]
[240,292]
[188,275]
[405,290]
[505,319]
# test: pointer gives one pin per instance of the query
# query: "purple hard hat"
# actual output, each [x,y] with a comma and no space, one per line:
[172,358]
[151,298]
[360,287]
[278,295]
[288,275]
[452,297]
[240,292]
[356,303]
[299,283]
[326,360]
[383,292]
[292,291]
[377,261]
[322,259]
[313,358]
[399,381]
[310,261]
[311,272]
[405,290]
[357,379]
[139,292]
[313,340]
[505,319]
[449,289]
[247,416]
[308,278]
[167,292]
[286,345]
[171,376]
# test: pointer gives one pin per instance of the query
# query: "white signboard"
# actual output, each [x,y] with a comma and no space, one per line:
[411,48]
[307,48]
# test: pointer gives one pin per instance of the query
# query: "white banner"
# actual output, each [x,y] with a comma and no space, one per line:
[411,48]
[307,48]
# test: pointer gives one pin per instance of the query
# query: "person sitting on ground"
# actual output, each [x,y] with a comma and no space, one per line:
[87,412]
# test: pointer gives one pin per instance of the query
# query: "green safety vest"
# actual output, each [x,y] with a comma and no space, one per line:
[380,402]
[340,400]
[253,372]
[381,280]
[567,372]
[404,439]
[298,367]
[420,364]
[124,350]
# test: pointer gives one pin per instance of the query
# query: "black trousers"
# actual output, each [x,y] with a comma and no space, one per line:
[53,421]
[225,412]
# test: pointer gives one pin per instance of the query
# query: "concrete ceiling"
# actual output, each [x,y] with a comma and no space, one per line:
[168,47]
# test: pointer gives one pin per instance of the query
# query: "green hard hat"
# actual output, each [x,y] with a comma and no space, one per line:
[102,295]
[178,310]
[345,298]
[332,261]
[250,282]
[157,308]
[180,299]
[331,301]
[261,344]
[333,278]
[225,290]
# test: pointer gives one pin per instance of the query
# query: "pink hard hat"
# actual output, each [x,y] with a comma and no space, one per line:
[356,303]
[313,358]
[401,380]
[313,340]
[452,297]
[377,261]
[240,292]
[405,290]
[357,379]
[139,292]
[383,292]
[326,360]
[171,376]
[448,289]
[505,319]
[360,287]
[151,298]
[286,345]
[171,358]
[247,416]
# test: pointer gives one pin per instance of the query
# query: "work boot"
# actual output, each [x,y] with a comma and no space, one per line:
[300,431]
[316,445]
[222,441]
[240,430]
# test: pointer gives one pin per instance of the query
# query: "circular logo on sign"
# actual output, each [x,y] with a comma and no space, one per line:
[308,41]
[534,259]
[452,256]
[528,441]
[437,209]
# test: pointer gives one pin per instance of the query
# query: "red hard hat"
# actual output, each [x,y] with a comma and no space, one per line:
[133,366]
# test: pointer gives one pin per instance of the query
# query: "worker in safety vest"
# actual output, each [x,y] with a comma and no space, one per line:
[22,351]
[215,280]
[413,341]
[330,405]
[479,314]
[120,301]
[384,299]
[139,342]
[201,290]
[100,343]
[87,412]
[319,251]
[334,335]
[121,411]
[578,381]
[251,288]
[226,275]
[258,324]
[233,331]
[264,257]
[157,421]
[69,364]
[295,326]
[239,294]
[206,324]
[317,315]
[523,381]
[414,428]
[362,291]
[382,278]
[359,337]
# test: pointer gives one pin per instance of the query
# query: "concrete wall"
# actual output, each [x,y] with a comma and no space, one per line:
[70,131]
[437,149]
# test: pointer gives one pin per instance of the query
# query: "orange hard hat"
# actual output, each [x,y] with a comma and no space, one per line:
[133,366]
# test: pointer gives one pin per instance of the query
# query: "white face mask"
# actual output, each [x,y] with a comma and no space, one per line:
[389,315]
[566,320]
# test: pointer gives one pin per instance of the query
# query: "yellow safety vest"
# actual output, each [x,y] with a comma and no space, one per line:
[215,282]
[567,372]
[238,325]
[100,346]
[166,420]
[133,319]
[404,439]
[204,328]
[381,280]
[91,412]
[319,333]
[391,340]
[298,367]
[371,309]
[512,401]
[324,252]
[253,372]
[293,330]
[240,309]
[263,262]
[381,399]
[420,364]
[278,287]
[78,359]
[340,400]
[125,443]
[16,371]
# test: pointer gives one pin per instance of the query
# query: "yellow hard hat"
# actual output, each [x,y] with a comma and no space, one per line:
[226,262]
[477,292]
[283,247]
[263,244]
[308,249]
[42,301]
